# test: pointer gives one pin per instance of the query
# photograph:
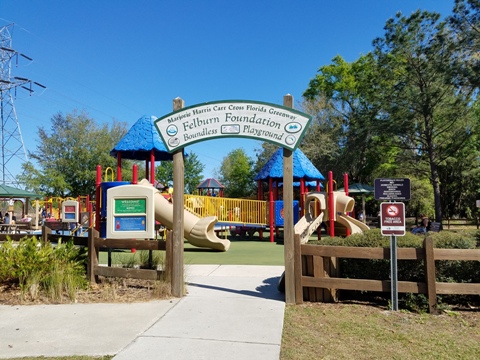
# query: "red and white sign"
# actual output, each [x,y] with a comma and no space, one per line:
[392,218]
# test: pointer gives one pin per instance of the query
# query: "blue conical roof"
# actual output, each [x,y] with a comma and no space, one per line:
[140,140]
[302,168]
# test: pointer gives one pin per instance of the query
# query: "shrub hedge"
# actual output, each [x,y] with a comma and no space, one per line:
[409,270]
[43,269]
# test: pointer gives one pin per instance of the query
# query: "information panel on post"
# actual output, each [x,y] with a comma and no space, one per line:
[70,211]
[131,212]
[392,189]
[392,218]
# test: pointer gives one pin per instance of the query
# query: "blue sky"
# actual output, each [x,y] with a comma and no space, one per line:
[123,59]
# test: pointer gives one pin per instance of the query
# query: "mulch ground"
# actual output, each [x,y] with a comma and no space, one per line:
[107,290]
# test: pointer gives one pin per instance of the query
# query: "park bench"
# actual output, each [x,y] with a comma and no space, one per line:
[24,226]
[435,226]
[56,225]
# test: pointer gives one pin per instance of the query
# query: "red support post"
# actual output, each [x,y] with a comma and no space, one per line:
[98,200]
[271,209]
[345,186]
[135,174]
[152,167]
[302,196]
[119,166]
[331,205]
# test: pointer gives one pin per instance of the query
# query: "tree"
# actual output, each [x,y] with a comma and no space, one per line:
[67,156]
[192,170]
[465,23]
[236,174]
[343,136]
[408,108]
[428,112]
[264,154]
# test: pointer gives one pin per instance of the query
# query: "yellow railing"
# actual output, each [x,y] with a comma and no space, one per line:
[235,211]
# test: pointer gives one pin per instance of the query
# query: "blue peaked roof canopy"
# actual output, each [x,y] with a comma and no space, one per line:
[140,140]
[302,168]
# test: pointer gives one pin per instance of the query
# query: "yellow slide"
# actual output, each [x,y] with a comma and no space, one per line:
[198,231]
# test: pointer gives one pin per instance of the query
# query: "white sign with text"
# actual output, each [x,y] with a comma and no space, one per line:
[233,118]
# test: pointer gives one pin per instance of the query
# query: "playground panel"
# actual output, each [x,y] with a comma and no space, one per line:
[227,210]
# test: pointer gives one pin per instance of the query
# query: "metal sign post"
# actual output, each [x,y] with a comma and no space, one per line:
[392,217]
[392,220]
[394,272]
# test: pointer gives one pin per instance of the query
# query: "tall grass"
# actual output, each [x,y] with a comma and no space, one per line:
[41,269]
[143,259]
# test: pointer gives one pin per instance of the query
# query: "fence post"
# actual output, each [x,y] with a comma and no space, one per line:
[430,275]
[297,267]
[168,255]
[45,232]
[330,268]
[92,255]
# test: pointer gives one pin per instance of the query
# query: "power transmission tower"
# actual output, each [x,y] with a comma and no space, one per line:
[11,142]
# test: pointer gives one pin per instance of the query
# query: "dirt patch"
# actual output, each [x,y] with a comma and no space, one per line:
[107,290]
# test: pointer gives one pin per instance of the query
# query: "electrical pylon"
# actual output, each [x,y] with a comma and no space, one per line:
[12,146]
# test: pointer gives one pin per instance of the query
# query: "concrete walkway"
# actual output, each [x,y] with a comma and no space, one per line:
[230,312]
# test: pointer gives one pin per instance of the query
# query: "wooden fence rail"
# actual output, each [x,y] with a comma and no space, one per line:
[317,274]
[94,244]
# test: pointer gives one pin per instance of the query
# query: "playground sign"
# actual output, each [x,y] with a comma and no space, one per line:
[130,212]
[70,211]
[233,118]
[392,218]
[392,189]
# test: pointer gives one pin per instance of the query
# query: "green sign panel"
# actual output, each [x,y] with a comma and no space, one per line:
[130,206]
[233,118]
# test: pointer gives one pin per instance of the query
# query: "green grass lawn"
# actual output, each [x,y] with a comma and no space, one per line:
[241,252]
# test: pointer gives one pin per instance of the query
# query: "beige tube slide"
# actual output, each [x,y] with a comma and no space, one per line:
[309,223]
[198,231]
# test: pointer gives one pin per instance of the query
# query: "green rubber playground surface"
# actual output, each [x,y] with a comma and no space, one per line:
[241,252]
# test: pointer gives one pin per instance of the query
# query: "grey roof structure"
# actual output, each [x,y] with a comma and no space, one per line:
[359,189]
[140,140]
[302,168]
[210,183]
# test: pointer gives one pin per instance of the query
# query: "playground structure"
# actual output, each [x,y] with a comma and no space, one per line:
[199,231]
[254,213]
[50,213]
[290,128]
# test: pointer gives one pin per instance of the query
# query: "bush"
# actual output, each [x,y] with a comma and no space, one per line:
[408,270]
[42,269]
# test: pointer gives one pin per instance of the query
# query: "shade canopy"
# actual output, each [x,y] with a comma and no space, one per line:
[359,189]
[210,183]
[140,140]
[11,192]
[302,168]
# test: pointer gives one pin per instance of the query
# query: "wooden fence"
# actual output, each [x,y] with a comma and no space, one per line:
[447,223]
[452,223]
[95,244]
[317,273]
